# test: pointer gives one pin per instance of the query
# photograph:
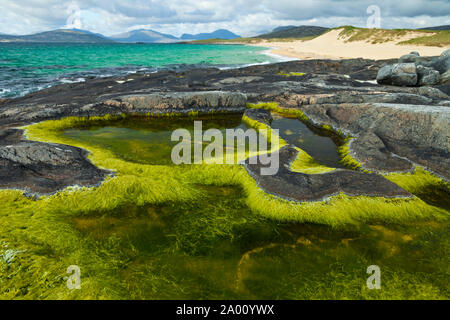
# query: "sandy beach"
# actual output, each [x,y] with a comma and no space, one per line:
[332,46]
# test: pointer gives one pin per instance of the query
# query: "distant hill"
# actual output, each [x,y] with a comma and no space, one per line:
[145,36]
[89,32]
[61,35]
[218,34]
[294,32]
[282,28]
[447,27]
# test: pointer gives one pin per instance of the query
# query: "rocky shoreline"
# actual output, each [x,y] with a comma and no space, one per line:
[393,128]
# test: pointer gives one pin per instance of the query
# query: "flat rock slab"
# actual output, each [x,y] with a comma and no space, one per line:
[315,187]
[138,103]
[185,101]
[44,168]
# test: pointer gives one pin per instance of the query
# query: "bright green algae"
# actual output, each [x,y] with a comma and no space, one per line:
[205,232]
[149,142]
[216,248]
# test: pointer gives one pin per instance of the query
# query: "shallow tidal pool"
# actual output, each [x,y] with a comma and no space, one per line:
[211,246]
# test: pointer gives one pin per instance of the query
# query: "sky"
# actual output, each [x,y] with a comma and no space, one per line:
[243,17]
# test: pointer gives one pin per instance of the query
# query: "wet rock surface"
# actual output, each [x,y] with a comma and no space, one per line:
[305,187]
[394,127]
[43,168]
[260,115]
[386,134]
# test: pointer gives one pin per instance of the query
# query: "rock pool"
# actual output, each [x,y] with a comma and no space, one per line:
[159,231]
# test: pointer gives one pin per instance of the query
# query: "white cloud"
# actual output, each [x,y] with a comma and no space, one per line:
[245,17]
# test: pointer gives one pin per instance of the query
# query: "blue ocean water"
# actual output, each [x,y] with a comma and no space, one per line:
[26,67]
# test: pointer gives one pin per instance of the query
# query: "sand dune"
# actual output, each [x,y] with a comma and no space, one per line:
[332,46]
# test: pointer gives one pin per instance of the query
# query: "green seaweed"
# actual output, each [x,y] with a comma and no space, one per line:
[292,74]
[209,232]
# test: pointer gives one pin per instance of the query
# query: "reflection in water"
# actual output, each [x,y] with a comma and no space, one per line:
[295,132]
[148,141]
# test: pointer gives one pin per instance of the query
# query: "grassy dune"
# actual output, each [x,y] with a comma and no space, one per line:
[434,38]
[375,36]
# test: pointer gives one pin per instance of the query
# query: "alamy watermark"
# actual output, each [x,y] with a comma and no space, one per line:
[74,280]
[74,19]
[241,145]
[374,280]
[374,20]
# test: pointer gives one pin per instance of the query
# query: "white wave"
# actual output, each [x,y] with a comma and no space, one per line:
[65,80]
[278,57]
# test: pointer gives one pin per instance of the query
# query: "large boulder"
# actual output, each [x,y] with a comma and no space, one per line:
[400,74]
[414,57]
[427,76]
[409,58]
[442,64]
[446,53]
[445,77]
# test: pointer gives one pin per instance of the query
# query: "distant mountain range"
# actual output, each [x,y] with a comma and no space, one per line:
[61,35]
[294,32]
[146,36]
[218,34]
[438,28]
[140,36]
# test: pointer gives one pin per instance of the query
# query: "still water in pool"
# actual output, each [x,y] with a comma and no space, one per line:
[216,248]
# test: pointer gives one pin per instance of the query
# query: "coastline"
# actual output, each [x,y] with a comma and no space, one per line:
[332,46]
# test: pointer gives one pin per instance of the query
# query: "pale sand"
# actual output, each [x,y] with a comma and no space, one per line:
[330,46]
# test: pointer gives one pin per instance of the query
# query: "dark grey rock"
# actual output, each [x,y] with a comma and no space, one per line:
[427,76]
[44,168]
[441,64]
[408,58]
[372,151]
[415,58]
[433,93]
[445,78]
[183,101]
[445,54]
[400,74]
[260,115]
[305,187]
[385,74]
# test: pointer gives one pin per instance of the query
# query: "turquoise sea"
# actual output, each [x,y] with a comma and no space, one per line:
[26,67]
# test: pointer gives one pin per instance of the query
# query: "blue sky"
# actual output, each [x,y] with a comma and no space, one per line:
[244,17]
